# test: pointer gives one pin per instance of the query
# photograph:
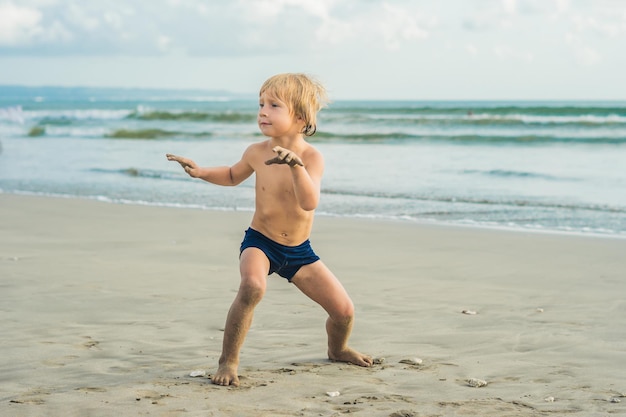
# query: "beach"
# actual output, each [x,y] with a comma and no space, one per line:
[108,308]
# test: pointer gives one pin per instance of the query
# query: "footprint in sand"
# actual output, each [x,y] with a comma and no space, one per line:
[90,343]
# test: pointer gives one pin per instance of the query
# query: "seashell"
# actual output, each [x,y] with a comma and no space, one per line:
[412,361]
[378,361]
[549,399]
[333,393]
[615,400]
[476,383]
[469,312]
[197,373]
[540,310]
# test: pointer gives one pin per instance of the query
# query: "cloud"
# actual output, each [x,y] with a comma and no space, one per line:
[207,28]
[236,28]
[18,25]
[492,15]
[508,53]
[398,25]
[587,56]
[608,27]
[584,55]
[471,49]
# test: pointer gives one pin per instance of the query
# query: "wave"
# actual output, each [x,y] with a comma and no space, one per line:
[194,116]
[152,134]
[70,115]
[473,108]
[528,119]
[516,174]
[483,119]
[467,139]
[143,173]
[480,201]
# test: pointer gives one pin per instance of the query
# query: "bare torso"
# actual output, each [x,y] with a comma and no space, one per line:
[278,214]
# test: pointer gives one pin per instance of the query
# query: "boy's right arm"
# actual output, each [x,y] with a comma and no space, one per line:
[216,175]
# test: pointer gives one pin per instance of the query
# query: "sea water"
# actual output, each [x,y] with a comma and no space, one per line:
[540,166]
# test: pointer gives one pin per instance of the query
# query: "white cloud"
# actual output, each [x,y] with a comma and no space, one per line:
[605,28]
[335,32]
[241,27]
[18,25]
[164,43]
[506,52]
[256,9]
[471,49]
[426,45]
[114,20]
[587,56]
[81,18]
[509,6]
[398,24]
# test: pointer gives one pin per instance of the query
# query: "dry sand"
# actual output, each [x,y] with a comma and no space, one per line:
[106,309]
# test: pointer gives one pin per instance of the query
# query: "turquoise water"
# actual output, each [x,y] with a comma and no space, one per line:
[543,166]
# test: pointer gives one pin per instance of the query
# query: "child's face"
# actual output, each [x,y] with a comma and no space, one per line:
[275,118]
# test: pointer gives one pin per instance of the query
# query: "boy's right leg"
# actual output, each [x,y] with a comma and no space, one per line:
[253,266]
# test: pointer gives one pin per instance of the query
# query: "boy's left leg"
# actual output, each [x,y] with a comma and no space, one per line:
[320,284]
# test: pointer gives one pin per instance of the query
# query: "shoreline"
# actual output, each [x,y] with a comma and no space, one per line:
[108,308]
[419,222]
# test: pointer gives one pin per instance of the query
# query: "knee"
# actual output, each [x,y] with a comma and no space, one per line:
[344,313]
[251,292]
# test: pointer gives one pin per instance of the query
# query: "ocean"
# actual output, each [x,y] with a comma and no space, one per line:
[527,166]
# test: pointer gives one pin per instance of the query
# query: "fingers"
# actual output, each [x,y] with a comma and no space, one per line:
[284,156]
[279,160]
[275,160]
[176,158]
[187,164]
[184,162]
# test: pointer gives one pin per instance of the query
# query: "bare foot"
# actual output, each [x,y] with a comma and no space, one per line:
[351,356]
[226,375]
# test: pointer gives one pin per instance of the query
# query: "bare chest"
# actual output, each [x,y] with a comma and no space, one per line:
[274,182]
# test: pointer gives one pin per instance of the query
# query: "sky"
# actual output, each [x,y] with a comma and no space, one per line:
[360,49]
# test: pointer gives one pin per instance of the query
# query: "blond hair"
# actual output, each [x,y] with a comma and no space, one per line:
[304,95]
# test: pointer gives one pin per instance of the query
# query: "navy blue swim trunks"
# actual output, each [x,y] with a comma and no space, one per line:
[284,260]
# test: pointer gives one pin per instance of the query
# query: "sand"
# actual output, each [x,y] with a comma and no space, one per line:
[107,309]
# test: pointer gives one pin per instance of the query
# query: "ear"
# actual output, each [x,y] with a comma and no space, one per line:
[309,130]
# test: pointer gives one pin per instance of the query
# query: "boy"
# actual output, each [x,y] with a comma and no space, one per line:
[288,175]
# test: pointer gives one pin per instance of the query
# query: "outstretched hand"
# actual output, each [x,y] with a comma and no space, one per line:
[188,165]
[284,156]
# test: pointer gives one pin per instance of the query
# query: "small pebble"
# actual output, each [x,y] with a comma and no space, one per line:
[540,310]
[469,312]
[333,393]
[198,373]
[476,383]
[549,399]
[412,361]
[615,400]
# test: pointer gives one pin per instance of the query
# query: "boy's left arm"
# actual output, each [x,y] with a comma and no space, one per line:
[306,179]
